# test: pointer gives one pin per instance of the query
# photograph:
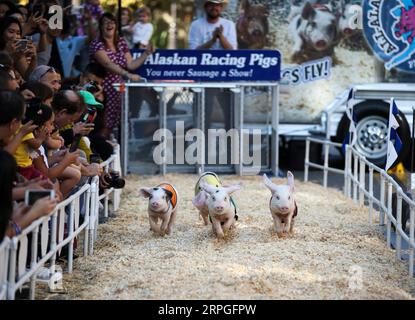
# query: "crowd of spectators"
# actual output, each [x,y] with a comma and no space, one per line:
[59,111]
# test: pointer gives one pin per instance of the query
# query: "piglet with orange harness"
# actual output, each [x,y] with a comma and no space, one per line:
[162,205]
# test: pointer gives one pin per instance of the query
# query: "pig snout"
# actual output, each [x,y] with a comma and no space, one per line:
[284,209]
[321,44]
[348,31]
[219,208]
[155,205]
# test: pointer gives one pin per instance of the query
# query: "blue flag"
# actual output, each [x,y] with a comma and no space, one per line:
[394,141]
[351,136]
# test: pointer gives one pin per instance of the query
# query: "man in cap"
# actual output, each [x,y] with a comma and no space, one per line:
[213,31]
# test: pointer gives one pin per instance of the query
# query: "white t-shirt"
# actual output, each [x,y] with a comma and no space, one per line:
[201,31]
[142,33]
[43,155]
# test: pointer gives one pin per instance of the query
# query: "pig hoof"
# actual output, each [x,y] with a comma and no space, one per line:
[220,235]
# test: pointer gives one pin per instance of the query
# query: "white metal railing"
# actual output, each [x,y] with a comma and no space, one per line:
[47,237]
[52,240]
[361,189]
[356,179]
[325,167]
[4,259]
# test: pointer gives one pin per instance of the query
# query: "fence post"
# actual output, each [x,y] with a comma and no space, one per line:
[307,159]
[370,194]
[355,177]
[70,235]
[346,172]
[326,163]
[398,227]
[382,201]
[54,235]
[93,216]
[362,181]
[87,219]
[35,237]
[11,290]
[411,242]
[388,216]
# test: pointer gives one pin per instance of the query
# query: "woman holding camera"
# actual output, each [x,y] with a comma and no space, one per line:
[22,51]
[112,52]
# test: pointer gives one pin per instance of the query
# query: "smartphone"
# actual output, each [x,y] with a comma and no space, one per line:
[31,196]
[92,87]
[88,116]
[22,44]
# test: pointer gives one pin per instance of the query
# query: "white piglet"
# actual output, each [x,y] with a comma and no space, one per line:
[221,208]
[162,205]
[282,205]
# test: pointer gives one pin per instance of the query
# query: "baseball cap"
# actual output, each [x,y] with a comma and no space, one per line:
[39,72]
[216,1]
[90,99]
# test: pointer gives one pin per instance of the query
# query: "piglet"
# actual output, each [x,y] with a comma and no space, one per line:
[314,31]
[282,205]
[218,203]
[162,205]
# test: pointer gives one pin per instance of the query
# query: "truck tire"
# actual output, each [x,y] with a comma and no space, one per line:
[372,131]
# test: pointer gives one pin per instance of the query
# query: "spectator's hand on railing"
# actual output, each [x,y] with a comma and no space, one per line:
[83,128]
[133,77]
[94,169]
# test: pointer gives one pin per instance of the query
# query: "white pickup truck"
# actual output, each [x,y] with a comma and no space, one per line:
[372,112]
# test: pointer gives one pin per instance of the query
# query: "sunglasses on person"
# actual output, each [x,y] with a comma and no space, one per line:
[51,69]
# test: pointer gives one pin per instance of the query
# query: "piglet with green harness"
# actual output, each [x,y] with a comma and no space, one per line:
[217,203]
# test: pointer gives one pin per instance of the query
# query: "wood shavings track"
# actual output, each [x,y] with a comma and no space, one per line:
[333,245]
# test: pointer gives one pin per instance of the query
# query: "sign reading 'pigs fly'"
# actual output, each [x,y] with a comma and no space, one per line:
[211,65]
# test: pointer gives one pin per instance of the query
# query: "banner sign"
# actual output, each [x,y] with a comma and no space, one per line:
[389,27]
[307,72]
[211,65]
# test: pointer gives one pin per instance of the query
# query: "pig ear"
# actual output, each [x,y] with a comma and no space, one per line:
[145,192]
[235,187]
[290,178]
[269,184]
[308,11]
[207,187]
[200,200]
